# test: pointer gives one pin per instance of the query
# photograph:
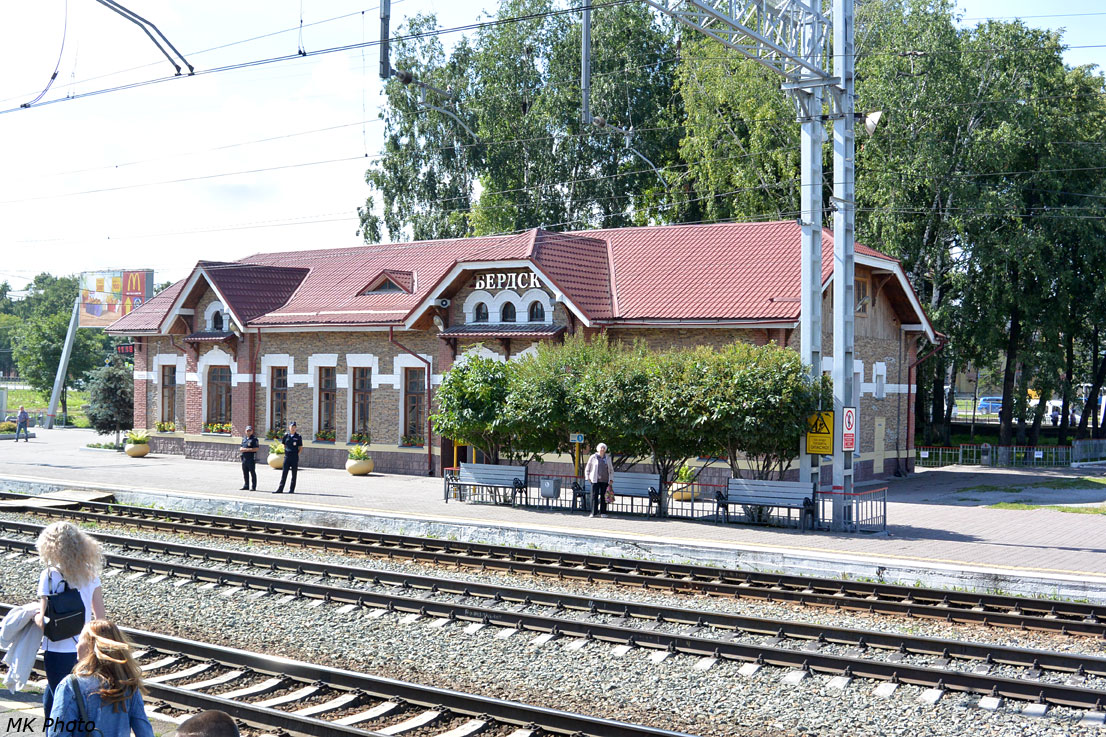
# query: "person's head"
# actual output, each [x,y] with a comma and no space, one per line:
[68,548]
[102,651]
[601,449]
[212,723]
[249,431]
[21,408]
[292,426]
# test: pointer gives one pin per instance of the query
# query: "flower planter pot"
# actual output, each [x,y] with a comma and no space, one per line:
[276,461]
[360,468]
[136,450]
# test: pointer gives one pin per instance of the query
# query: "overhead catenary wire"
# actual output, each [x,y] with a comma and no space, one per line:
[456,29]
[57,65]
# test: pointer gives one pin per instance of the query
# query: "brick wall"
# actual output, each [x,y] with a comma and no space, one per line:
[141,386]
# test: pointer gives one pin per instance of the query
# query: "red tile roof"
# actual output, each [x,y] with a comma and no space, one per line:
[252,291]
[729,271]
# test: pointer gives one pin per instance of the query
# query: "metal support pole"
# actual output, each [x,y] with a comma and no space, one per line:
[585,65]
[810,199]
[844,224]
[63,365]
[385,43]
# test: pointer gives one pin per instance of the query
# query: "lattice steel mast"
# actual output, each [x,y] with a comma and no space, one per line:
[791,37]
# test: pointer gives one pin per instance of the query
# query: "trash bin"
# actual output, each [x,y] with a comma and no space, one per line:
[551,488]
[985,454]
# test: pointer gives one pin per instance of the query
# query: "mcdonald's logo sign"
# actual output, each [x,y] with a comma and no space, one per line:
[108,295]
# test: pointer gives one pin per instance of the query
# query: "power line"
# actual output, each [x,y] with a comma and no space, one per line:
[320,52]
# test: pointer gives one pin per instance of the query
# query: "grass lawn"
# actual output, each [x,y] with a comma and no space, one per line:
[35,402]
[1084,482]
[1055,507]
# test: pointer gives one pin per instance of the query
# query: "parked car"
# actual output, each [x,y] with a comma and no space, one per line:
[989,405]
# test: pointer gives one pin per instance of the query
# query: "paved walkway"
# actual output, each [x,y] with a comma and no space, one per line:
[936,517]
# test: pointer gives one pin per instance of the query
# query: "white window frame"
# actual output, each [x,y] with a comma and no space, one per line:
[355,361]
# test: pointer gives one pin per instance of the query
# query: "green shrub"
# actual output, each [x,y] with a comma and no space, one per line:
[359,453]
[276,449]
[7,427]
[138,437]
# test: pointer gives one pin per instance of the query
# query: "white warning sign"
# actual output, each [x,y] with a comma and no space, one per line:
[848,429]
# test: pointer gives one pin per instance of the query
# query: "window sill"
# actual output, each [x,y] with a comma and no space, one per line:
[217,434]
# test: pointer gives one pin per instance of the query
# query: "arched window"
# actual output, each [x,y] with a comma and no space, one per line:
[537,312]
[217,322]
[508,313]
[480,314]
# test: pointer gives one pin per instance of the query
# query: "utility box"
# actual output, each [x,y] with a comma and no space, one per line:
[551,488]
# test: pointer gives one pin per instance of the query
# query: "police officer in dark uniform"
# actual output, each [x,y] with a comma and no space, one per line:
[292,444]
[248,450]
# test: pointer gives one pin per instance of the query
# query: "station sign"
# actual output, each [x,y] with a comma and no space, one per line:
[819,434]
[507,280]
[848,429]
[576,437]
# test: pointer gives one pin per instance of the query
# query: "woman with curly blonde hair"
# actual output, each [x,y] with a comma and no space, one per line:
[73,561]
[105,687]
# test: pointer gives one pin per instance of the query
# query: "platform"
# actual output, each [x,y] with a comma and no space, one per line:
[941,529]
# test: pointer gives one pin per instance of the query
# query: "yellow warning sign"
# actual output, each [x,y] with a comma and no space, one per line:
[819,434]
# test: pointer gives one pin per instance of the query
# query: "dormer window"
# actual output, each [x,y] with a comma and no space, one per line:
[480,314]
[537,312]
[507,314]
[385,287]
[217,322]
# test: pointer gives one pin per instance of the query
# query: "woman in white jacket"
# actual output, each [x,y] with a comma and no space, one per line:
[73,559]
[599,472]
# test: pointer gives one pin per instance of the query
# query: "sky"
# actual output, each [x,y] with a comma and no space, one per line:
[222,165]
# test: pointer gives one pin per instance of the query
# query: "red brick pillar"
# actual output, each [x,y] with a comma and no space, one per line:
[243,387]
[193,398]
[141,383]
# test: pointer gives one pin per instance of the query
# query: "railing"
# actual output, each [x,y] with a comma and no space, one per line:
[864,511]
[1086,451]
[996,456]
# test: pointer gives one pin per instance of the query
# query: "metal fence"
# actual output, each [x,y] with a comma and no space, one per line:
[996,456]
[864,511]
[1084,451]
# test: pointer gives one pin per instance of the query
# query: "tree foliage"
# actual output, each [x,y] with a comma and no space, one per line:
[983,177]
[111,398]
[745,402]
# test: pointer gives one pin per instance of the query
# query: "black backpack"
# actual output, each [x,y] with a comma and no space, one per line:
[64,614]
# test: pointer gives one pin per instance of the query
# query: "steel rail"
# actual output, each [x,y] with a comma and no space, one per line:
[947,650]
[1045,615]
[811,661]
[430,697]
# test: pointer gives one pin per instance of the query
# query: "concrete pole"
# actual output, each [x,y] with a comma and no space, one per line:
[585,65]
[63,365]
[810,309]
[844,225]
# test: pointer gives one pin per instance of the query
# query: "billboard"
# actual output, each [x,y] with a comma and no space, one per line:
[108,295]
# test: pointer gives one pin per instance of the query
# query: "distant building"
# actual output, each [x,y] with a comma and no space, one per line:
[343,340]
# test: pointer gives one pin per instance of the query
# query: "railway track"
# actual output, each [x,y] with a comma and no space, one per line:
[298,698]
[805,648]
[1046,615]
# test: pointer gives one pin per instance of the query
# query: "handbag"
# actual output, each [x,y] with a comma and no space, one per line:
[82,710]
[64,614]
[609,495]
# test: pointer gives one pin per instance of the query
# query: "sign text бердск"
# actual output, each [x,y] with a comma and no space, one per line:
[511,280]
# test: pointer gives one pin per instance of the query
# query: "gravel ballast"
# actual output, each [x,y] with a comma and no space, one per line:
[672,694]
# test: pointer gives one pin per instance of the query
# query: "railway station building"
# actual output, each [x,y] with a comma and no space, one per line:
[352,342]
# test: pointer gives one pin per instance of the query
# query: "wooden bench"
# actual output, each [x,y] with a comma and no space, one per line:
[495,478]
[634,485]
[787,495]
